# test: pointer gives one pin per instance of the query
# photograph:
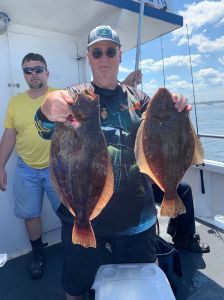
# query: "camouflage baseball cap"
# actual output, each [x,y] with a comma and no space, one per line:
[103,33]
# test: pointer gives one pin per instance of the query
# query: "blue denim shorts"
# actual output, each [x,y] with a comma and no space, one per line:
[30,184]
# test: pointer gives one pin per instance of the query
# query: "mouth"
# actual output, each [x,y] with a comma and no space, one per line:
[104,67]
[35,79]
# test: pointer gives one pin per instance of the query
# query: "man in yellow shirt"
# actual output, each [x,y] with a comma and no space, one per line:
[32,173]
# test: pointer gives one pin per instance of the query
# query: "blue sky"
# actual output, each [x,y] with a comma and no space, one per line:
[205,22]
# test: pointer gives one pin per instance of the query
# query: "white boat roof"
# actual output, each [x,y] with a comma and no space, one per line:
[78,17]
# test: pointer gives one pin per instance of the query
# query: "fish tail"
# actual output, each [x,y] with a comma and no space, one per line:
[83,236]
[172,207]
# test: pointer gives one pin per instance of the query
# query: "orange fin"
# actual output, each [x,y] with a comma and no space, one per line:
[172,207]
[83,236]
[140,156]
[198,157]
[107,191]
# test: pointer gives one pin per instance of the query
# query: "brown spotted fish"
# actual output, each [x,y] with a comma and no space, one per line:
[80,166]
[166,145]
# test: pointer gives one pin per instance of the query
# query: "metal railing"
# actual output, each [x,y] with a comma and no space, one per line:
[215,136]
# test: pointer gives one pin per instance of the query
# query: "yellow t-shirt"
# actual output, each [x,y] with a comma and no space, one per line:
[33,149]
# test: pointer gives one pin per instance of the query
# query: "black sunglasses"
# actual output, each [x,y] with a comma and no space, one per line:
[37,70]
[110,52]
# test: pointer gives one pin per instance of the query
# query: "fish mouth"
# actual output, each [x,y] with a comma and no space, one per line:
[73,122]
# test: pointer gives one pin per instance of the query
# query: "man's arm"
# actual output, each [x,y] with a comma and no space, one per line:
[55,108]
[44,126]
[133,78]
[6,147]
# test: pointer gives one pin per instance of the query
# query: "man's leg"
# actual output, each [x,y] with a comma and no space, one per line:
[28,193]
[183,224]
[50,190]
[182,227]
[34,230]
[80,264]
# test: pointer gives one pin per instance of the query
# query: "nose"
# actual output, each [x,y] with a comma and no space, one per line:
[104,56]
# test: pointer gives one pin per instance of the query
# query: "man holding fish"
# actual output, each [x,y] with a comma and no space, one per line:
[32,172]
[127,223]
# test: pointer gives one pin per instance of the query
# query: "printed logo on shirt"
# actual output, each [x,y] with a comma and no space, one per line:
[136,106]
[103,113]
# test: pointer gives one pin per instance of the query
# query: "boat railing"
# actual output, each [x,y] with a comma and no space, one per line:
[216,136]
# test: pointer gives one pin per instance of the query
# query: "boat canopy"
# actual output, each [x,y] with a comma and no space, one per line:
[78,17]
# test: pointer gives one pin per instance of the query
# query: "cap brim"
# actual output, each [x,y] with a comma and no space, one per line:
[103,39]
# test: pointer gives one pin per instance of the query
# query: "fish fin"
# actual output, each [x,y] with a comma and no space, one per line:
[198,157]
[83,236]
[107,191]
[71,210]
[172,207]
[140,156]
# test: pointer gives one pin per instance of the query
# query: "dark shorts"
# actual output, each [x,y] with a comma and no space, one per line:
[81,264]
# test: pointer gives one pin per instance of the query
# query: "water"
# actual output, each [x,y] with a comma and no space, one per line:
[211,121]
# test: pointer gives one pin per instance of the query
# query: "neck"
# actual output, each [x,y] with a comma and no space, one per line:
[110,86]
[35,93]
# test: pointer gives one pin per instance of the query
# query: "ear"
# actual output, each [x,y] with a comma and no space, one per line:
[120,56]
[88,57]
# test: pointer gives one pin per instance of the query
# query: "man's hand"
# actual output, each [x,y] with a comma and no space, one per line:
[56,106]
[181,102]
[133,78]
[3,179]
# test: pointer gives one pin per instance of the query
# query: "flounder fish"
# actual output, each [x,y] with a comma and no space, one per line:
[80,165]
[166,145]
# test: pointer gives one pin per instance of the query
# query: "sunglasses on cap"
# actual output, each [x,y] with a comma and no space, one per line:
[37,70]
[97,52]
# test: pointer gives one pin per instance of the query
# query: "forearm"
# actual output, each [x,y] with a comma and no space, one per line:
[7,145]
[44,126]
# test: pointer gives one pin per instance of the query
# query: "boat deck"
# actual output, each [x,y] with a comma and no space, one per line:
[203,275]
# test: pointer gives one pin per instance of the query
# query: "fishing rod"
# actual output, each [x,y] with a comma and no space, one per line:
[192,82]
[138,46]
[195,109]
[164,77]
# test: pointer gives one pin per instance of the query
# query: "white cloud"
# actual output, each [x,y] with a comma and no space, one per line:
[207,85]
[172,78]
[209,72]
[151,87]
[177,84]
[199,14]
[180,85]
[124,69]
[206,45]
[221,60]
[149,65]
[209,77]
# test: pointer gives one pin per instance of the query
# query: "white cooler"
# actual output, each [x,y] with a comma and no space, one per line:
[132,282]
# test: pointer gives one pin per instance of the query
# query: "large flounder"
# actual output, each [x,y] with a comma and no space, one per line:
[80,165]
[166,145]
